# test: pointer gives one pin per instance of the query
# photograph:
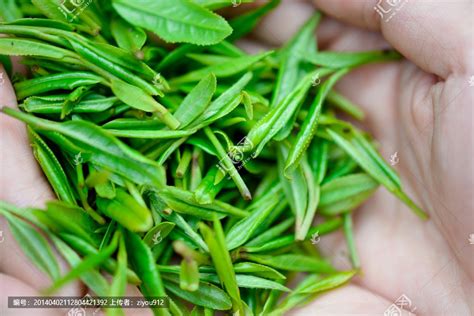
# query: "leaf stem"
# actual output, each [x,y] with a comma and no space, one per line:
[228,164]
[349,233]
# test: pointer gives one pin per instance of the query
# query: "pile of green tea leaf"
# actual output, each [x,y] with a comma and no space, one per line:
[182,164]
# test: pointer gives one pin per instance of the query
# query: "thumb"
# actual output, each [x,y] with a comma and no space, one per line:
[21,181]
[431,35]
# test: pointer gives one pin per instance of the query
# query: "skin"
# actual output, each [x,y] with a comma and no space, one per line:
[420,108]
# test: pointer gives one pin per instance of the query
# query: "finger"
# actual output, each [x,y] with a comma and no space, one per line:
[399,254]
[329,31]
[277,27]
[12,287]
[134,291]
[16,263]
[251,46]
[357,301]
[282,22]
[371,87]
[368,86]
[388,113]
[423,31]
[403,120]
[21,182]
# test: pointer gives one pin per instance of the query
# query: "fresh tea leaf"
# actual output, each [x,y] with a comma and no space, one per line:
[27,47]
[127,36]
[34,245]
[226,69]
[142,262]
[346,193]
[52,169]
[293,262]
[93,279]
[308,129]
[126,211]
[206,295]
[215,240]
[103,150]
[189,275]
[89,263]
[138,99]
[158,233]
[196,101]
[350,59]
[175,20]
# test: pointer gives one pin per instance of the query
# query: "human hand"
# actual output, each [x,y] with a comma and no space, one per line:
[420,108]
[416,258]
